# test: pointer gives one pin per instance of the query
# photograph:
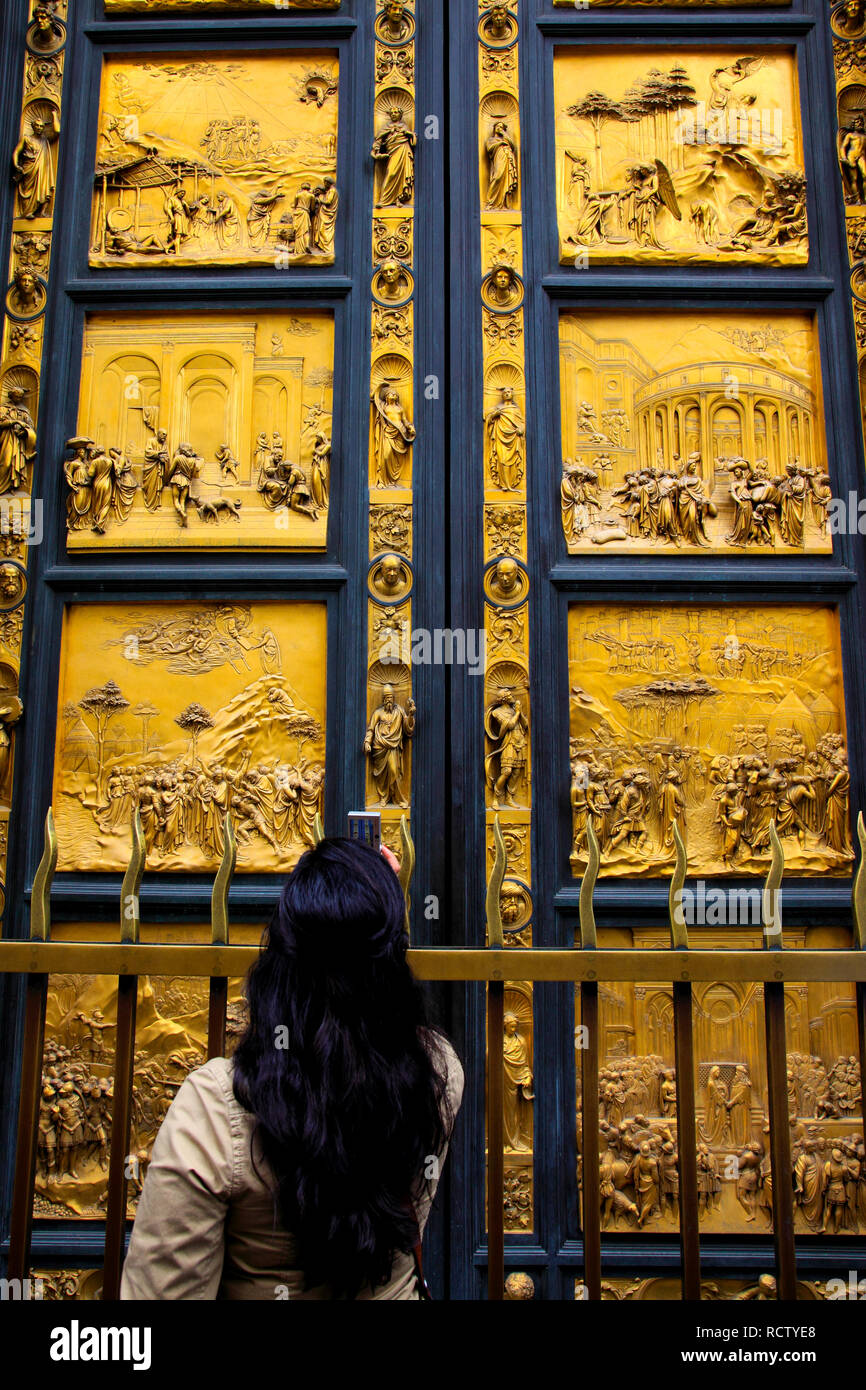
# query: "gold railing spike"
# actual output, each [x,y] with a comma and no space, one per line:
[679,930]
[407,860]
[318,828]
[493,906]
[858,891]
[771,907]
[130,906]
[588,933]
[40,900]
[219,901]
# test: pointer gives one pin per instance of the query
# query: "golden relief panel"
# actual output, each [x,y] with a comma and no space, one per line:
[722,720]
[202,430]
[638,1143]
[221,159]
[78,1064]
[184,712]
[705,436]
[690,160]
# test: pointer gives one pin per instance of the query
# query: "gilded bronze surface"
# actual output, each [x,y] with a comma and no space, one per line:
[202,430]
[395,150]
[693,159]
[223,158]
[639,1156]
[705,436]
[719,719]
[187,711]
[33,171]
[77,1075]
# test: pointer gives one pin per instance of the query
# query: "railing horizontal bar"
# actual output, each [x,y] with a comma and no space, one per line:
[780,967]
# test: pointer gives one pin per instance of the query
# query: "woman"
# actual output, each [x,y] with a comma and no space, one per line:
[305,1166]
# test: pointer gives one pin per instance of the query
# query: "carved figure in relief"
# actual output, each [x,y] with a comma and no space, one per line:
[506,432]
[738,1106]
[397,21]
[228,464]
[391,726]
[33,161]
[320,471]
[284,484]
[325,216]
[851,146]
[508,582]
[518,1093]
[393,436]
[579,497]
[808,1182]
[835,1193]
[185,467]
[394,149]
[709,1182]
[507,728]
[156,466]
[503,178]
[645,1174]
[670,1178]
[46,1135]
[259,216]
[715,1123]
[17,440]
[749,1178]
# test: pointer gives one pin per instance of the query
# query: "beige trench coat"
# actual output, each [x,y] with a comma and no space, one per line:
[205,1227]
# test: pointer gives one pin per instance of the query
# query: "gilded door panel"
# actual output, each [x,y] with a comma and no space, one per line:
[721,720]
[679,157]
[202,430]
[216,159]
[78,1081]
[698,432]
[188,711]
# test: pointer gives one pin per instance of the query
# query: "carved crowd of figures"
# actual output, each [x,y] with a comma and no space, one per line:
[639,1158]
[671,505]
[181,804]
[283,483]
[74,1124]
[76,1101]
[104,484]
[639,1173]
[637,805]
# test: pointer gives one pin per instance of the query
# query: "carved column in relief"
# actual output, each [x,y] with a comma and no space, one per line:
[33,170]
[848,23]
[502,446]
[391,713]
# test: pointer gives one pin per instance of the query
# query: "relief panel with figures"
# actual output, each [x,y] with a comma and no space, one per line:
[223,159]
[208,430]
[189,710]
[679,159]
[706,436]
[722,720]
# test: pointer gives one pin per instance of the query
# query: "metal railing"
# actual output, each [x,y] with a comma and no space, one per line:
[587,967]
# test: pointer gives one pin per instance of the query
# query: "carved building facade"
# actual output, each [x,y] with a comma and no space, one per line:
[344,340]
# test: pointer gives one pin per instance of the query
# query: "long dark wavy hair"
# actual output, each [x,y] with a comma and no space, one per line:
[353,1104]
